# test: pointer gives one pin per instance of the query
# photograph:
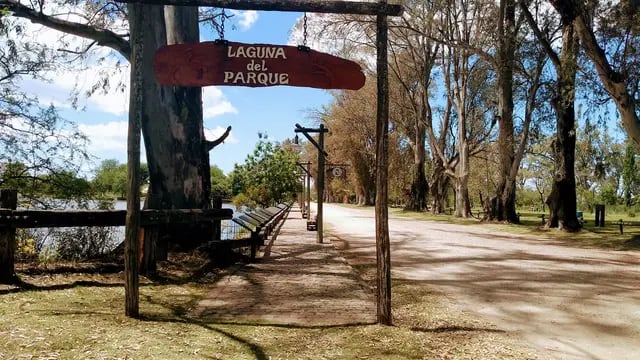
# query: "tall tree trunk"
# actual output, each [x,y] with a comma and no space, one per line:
[173,130]
[562,200]
[463,206]
[506,191]
[438,187]
[461,75]
[419,187]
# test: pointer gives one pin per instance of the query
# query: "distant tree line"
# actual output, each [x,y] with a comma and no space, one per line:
[494,105]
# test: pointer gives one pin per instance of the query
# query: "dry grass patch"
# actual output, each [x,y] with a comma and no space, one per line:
[81,316]
[608,237]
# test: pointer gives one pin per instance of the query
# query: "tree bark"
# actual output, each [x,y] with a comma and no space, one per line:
[562,200]
[383,246]
[419,187]
[463,206]
[8,200]
[138,18]
[506,191]
[439,187]
[173,132]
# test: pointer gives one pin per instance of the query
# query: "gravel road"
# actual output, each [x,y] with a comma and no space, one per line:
[567,303]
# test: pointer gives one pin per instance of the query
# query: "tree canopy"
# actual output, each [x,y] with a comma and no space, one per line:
[268,176]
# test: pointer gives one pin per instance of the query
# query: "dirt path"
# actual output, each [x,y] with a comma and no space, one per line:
[296,282]
[568,303]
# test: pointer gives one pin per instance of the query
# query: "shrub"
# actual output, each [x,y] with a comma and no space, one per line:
[84,243]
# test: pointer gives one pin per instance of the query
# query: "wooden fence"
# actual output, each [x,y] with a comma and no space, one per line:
[12,219]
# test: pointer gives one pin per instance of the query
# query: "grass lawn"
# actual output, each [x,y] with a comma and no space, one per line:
[81,316]
[608,237]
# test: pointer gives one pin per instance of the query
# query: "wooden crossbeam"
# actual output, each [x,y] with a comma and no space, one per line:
[329,6]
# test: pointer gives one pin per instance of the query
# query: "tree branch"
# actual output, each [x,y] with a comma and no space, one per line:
[100,36]
[541,38]
[613,81]
[211,144]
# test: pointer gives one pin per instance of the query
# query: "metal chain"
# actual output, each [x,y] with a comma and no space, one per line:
[221,32]
[304,31]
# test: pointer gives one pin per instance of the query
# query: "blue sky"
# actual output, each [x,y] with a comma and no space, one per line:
[271,110]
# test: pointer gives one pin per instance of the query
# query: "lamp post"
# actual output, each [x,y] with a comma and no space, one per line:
[322,155]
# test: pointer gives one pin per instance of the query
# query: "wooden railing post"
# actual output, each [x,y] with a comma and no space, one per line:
[8,200]
[216,203]
[255,237]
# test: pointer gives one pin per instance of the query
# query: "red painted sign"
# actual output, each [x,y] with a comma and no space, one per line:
[253,65]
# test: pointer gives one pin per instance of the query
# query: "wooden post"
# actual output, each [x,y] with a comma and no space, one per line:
[136,104]
[148,235]
[599,216]
[255,236]
[308,210]
[326,6]
[320,182]
[383,252]
[216,203]
[8,200]
[621,223]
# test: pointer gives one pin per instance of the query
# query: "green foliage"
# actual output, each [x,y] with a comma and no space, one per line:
[528,198]
[56,183]
[65,185]
[40,152]
[220,183]
[111,178]
[268,176]
[630,176]
[243,201]
[608,195]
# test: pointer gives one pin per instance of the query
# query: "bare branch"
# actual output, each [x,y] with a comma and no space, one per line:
[539,35]
[211,144]
[100,36]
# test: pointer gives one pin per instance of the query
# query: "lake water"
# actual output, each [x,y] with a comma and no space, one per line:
[229,228]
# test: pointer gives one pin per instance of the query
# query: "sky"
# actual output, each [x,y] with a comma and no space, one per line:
[270,110]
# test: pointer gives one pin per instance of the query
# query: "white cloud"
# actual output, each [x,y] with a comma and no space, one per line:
[214,103]
[80,76]
[109,140]
[212,134]
[246,19]
[106,137]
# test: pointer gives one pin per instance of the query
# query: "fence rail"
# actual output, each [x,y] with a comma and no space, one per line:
[259,224]
[66,218]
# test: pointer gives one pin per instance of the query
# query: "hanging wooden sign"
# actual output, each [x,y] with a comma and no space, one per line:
[336,171]
[253,65]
